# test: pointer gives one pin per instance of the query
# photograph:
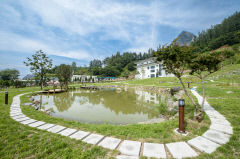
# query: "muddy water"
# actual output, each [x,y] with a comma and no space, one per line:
[103,106]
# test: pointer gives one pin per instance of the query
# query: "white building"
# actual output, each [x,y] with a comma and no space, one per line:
[84,78]
[149,68]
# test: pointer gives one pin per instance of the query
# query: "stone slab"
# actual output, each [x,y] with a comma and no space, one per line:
[222,128]
[131,148]
[26,122]
[154,150]
[22,119]
[216,136]
[15,114]
[203,144]
[16,111]
[18,116]
[45,126]
[220,121]
[214,114]
[56,129]
[181,150]
[110,143]
[37,124]
[126,157]
[14,105]
[93,138]
[67,132]
[79,135]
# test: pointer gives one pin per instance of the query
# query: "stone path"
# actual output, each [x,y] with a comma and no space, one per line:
[219,133]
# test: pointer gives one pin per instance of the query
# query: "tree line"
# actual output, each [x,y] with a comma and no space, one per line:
[118,64]
[226,33]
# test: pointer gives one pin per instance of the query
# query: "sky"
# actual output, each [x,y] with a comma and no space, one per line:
[83,30]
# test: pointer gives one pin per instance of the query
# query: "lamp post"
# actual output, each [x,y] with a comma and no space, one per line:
[181,104]
[6,98]
[188,84]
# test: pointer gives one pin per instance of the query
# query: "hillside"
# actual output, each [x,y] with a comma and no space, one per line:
[226,33]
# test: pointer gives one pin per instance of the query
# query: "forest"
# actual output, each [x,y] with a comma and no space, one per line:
[226,33]
[117,65]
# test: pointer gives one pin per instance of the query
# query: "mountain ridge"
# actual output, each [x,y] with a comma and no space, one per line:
[185,38]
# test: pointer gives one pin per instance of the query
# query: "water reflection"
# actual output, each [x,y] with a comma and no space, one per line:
[63,101]
[99,106]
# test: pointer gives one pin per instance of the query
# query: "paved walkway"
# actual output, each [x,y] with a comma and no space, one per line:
[219,133]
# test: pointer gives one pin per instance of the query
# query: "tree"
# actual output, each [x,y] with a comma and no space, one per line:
[228,54]
[74,67]
[95,63]
[175,60]
[9,74]
[110,71]
[40,64]
[202,66]
[64,74]
[131,66]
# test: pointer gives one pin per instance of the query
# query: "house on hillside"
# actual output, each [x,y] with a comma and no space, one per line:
[150,68]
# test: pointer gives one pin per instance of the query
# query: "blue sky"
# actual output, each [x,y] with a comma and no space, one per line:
[77,30]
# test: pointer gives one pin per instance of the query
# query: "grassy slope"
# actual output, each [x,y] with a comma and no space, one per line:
[19,141]
[224,96]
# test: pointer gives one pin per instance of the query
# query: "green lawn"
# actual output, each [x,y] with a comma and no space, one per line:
[19,141]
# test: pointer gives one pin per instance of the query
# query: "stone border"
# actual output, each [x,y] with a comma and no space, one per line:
[219,133]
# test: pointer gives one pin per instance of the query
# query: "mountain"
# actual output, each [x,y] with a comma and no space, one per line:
[185,38]
[28,77]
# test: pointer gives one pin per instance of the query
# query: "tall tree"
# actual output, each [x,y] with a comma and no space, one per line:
[64,74]
[74,67]
[39,64]
[175,60]
[202,66]
[9,74]
[95,63]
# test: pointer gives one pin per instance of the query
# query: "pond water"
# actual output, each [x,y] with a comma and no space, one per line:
[103,106]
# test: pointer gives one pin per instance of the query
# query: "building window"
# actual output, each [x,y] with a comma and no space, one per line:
[152,75]
[152,67]
[152,70]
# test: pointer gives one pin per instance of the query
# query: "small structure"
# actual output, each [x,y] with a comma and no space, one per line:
[84,78]
[107,78]
[150,68]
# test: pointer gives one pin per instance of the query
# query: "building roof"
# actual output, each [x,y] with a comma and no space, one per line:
[148,59]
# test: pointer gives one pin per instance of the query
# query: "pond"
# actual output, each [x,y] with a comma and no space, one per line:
[111,105]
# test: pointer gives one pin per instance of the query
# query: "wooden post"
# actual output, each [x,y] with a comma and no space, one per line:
[6,98]
[181,128]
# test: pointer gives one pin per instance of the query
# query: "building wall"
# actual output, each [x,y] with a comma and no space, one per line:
[150,69]
[84,78]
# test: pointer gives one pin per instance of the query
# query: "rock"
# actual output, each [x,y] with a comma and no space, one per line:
[118,89]
[229,92]
[27,104]
[173,90]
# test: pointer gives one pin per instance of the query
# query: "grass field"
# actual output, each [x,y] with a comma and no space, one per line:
[19,141]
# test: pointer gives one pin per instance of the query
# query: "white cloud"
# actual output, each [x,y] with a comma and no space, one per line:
[14,42]
[133,23]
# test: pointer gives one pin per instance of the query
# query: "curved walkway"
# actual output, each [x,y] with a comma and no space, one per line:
[219,133]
